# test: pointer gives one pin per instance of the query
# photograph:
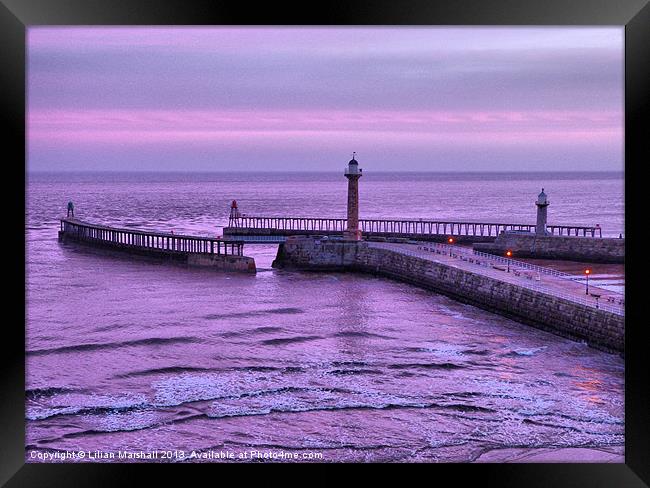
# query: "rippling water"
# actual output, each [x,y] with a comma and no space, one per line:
[130,355]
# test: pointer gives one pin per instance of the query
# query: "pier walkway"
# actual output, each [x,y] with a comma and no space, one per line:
[242,225]
[539,279]
[147,241]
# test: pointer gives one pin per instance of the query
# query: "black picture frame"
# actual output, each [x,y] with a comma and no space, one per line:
[17,15]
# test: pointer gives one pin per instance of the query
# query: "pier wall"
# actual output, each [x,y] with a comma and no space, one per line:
[223,263]
[600,329]
[586,249]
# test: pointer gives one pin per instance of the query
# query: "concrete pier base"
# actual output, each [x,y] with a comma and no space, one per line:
[244,264]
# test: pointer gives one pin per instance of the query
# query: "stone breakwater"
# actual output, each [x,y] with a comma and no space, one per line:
[587,249]
[598,328]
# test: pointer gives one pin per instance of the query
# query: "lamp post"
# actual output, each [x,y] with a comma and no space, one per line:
[587,273]
[508,255]
[450,241]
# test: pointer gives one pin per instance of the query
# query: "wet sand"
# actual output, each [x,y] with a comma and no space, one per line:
[614,454]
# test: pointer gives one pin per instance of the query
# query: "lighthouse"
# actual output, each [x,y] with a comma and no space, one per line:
[542,203]
[353,173]
[234,214]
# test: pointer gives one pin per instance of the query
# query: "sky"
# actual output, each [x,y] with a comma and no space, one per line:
[302,99]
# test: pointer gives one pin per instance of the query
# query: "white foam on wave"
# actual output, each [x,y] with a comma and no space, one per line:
[124,421]
[529,352]
[445,351]
[176,390]
[70,403]
[308,400]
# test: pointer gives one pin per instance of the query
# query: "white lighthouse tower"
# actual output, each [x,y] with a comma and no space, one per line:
[542,204]
[353,173]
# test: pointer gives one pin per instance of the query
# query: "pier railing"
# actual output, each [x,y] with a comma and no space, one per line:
[522,265]
[258,239]
[500,259]
[140,239]
[406,227]
[514,264]
[616,307]
[569,230]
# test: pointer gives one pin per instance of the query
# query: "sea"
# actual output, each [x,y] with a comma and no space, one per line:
[134,360]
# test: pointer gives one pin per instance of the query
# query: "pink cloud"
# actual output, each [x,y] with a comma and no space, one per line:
[138,127]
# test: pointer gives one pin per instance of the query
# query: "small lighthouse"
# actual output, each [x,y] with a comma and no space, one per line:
[542,203]
[353,173]
[234,214]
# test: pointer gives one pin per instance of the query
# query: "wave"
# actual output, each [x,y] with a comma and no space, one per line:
[258,330]
[253,313]
[285,310]
[114,406]
[604,419]
[524,352]
[152,341]
[49,391]
[554,426]
[425,366]
[476,352]
[115,416]
[343,372]
[461,407]
[198,369]
[81,410]
[282,389]
[170,369]
[352,333]
[92,404]
[294,369]
[289,340]
[257,369]
[405,374]
[264,369]
[250,411]
[265,410]
[465,394]
[266,330]
[348,363]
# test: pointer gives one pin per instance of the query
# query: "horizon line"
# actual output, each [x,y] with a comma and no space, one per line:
[318,171]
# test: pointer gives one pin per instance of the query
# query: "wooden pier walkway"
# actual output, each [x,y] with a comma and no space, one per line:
[148,241]
[414,229]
